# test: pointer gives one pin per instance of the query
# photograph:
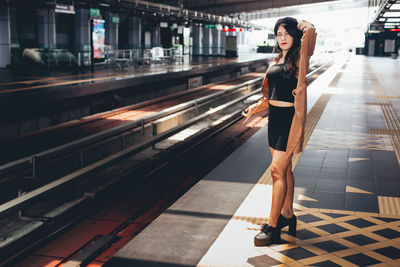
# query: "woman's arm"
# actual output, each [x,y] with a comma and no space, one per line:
[309,37]
[306,51]
[262,104]
[264,88]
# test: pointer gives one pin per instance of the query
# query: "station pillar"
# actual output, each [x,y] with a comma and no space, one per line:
[197,45]
[155,36]
[82,32]
[111,31]
[207,41]
[5,37]
[231,46]
[135,33]
[46,28]
[216,42]
[222,36]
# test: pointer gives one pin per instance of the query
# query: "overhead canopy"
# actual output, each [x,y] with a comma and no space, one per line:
[387,16]
[222,7]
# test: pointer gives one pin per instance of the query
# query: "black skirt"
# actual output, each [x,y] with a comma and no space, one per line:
[279,123]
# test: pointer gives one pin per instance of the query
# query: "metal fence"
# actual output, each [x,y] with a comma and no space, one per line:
[120,58]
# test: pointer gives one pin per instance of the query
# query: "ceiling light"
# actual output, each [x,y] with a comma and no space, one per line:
[394,6]
[102,4]
[393,20]
[382,19]
[391,14]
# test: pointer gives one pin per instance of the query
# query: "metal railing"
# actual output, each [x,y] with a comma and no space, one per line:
[52,58]
[57,57]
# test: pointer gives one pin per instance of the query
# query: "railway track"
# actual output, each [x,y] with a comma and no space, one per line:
[51,205]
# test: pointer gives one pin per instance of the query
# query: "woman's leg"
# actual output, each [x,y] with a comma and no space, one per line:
[279,165]
[287,209]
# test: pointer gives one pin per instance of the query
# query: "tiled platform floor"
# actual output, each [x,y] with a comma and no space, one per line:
[347,194]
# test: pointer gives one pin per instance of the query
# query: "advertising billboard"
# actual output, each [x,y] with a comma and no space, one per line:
[98,36]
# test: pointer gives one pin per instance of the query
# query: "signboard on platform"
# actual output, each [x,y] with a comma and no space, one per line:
[390,45]
[210,26]
[180,30]
[195,82]
[67,9]
[98,36]
[94,12]
[115,19]
[186,40]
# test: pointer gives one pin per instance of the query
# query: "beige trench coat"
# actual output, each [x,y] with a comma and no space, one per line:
[296,134]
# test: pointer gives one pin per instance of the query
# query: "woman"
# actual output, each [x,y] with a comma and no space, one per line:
[284,90]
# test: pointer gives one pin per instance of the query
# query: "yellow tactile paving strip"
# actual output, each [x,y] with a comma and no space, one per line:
[373,141]
[313,117]
[335,80]
[325,237]
[389,205]
[384,131]
[391,120]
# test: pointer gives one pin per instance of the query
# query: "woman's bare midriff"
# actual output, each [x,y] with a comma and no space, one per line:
[278,103]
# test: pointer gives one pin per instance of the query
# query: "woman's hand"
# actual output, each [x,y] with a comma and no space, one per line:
[249,110]
[302,24]
[296,92]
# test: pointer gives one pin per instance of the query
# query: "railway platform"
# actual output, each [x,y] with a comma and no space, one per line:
[37,100]
[101,79]
[347,190]
[347,187]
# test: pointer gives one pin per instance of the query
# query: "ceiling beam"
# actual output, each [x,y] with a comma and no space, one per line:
[223,7]
[295,10]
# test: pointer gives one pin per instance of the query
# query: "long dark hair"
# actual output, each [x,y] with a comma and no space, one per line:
[290,24]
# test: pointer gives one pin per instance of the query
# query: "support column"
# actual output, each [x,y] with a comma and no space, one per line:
[155,35]
[111,31]
[82,35]
[135,33]
[231,47]
[222,35]
[216,42]
[46,28]
[5,37]
[197,40]
[207,41]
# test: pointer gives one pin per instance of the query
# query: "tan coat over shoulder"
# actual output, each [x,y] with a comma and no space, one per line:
[296,135]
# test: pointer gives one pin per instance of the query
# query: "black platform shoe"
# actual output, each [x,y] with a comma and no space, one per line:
[292,223]
[267,236]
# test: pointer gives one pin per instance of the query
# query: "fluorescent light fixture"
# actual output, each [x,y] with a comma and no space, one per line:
[389,27]
[382,19]
[391,14]
[394,7]
[393,20]
[102,4]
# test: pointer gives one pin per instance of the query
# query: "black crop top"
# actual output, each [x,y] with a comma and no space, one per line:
[281,83]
